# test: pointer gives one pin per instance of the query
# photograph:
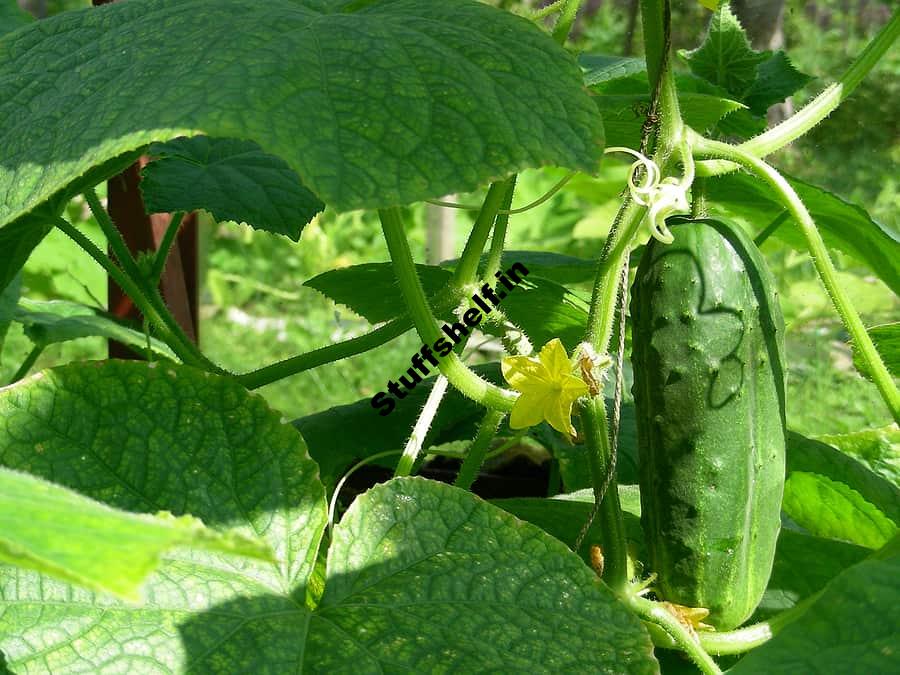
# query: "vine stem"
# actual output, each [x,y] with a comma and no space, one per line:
[28,362]
[487,430]
[566,20]
[816,110]
[159,262]
[328,354]
[467,268]
[655,613]
[421,427]
[821,260]
[128,285]
[460,376]
[160,315]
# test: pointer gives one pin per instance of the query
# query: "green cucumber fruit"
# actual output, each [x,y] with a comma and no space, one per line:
[708,356]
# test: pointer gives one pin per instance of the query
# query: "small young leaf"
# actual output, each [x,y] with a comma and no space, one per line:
[599,68]
[725,58]
[49,322]
[887,342]
[777,79]
[232,179]
[56,531]
[850,628]
[830,509]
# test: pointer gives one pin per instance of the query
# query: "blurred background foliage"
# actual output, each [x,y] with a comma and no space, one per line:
[256,311]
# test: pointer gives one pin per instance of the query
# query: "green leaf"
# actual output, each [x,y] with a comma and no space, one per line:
[725,58]
[625,102]
[804,454]
[9,297]
[850,628]
[887,341]
[830,509]
[146,437]
[425,577]
[563,269]
[49,322]
[877,449]
[232,179]
[372,105]
[542,308]
[599,68]
[777,79]
[12,17]
[803,566]
[56,531]
[844,226]
[564,516]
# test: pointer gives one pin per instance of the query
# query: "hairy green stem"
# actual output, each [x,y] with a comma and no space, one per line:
[421,427]
[566,20]
[475,457]
[498,237]
[159,262]
[467,268]
[460,376]
[28,362]
[160,315]
[595,430]
[816,110]
[127,284]
[683,639]
[769,229]
[328,354]
[820,257]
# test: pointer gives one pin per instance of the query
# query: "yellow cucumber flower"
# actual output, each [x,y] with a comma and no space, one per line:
[547,388]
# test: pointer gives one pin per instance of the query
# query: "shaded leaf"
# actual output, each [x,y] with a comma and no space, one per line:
[9,297]
[805,454]
[232,179]
[887,342]
[599,68]
[416,564]
[398,101]
[49,322]
[56,531]
[844,226]
[830,509]
[803,566]
[17,241]
[725,58]
[563,269]
[850,628]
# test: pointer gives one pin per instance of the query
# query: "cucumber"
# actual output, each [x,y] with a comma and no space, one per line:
[709,383]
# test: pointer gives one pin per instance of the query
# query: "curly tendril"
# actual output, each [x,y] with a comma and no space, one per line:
[663,197]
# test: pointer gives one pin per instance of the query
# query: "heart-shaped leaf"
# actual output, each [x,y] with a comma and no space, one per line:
[372,104]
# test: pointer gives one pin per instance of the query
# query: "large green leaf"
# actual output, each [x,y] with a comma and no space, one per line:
[563,269]
[416,563]
[830,509]
[542,308]
[803,565]
[807,455]
[850,628]
[17,241]
[56,531]
[844,226]
[232,179]
[878,449]
[777,79]
[372,104]
[887,342]
[49,322]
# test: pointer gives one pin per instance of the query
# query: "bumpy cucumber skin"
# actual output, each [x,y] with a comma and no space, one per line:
[708,357]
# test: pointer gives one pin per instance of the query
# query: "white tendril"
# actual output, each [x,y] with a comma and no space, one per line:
[663,197]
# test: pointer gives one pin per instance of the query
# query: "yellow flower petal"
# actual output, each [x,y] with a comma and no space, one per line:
[554,358]
[528,410]
[525,373]
[558,413]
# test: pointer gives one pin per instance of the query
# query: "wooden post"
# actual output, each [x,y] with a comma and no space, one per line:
[179,281]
